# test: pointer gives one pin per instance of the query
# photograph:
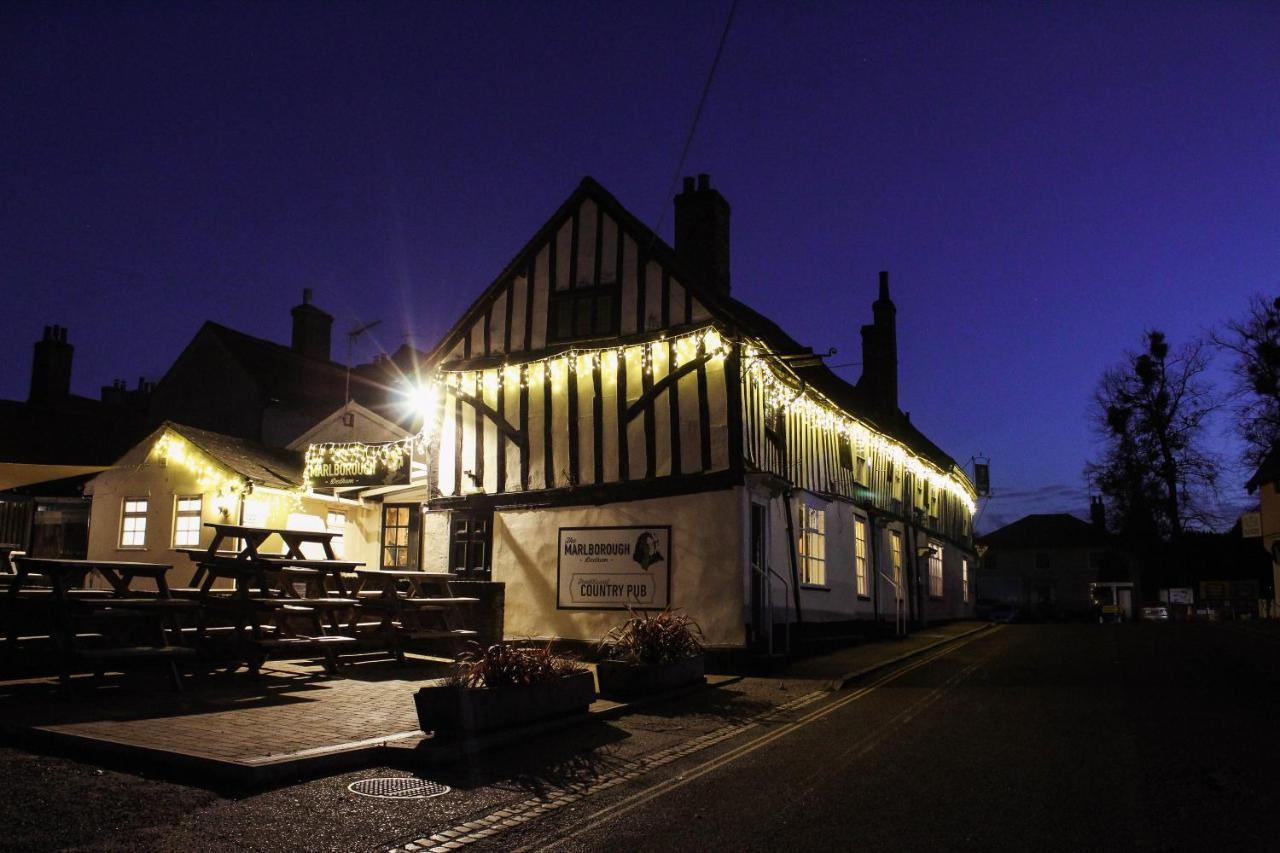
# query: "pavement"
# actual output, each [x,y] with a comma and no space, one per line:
[293,722]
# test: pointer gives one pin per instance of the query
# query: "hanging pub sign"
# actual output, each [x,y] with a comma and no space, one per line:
[357,464]
[982,478]
[614,568]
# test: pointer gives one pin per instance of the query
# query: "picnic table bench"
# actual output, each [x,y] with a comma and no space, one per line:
[284,587]
[112,613]
[412,605]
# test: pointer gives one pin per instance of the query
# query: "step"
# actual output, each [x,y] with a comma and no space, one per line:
[437,634]
[131,652]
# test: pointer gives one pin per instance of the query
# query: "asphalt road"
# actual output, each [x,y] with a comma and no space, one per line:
[1068,737]
[1028,737]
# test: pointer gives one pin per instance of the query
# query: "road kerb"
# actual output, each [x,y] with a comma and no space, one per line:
[848,678]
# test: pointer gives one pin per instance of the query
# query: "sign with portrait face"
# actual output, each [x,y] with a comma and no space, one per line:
[613,568]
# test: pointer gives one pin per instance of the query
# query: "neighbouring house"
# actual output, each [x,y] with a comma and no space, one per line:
[1266,482]
[158,496]
[237,384]
[51,443]
[1042,565]
[609,428]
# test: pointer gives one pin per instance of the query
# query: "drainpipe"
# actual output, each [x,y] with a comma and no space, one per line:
[791,550]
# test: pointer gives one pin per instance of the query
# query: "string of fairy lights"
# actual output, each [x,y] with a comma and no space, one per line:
[781,389]
[782,392]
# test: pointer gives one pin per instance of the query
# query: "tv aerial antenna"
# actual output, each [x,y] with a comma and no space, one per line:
[351,342]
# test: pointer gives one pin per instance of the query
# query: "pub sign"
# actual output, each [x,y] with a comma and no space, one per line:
[614,568]
[358,464]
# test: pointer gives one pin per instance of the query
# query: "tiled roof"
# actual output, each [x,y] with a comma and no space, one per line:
[1049,530]
[281,469]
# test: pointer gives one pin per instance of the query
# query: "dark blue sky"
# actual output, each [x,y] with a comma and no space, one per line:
[1043,181]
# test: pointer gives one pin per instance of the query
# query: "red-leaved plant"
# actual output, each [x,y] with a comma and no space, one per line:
[659,638]
[507,665]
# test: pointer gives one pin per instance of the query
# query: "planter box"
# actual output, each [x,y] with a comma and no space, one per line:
[623,680]
[450,709]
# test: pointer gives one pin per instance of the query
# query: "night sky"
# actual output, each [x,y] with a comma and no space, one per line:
[1043,181]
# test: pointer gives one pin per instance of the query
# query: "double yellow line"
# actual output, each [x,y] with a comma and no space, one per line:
[666,786]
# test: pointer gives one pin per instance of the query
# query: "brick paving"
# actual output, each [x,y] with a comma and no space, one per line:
[291,708]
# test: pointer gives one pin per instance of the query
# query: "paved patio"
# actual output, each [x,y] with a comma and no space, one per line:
[291,719]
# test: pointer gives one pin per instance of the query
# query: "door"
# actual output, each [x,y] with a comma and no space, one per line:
[760,631]
[471,543]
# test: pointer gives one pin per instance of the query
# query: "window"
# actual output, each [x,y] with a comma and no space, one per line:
[336,522]
[186,521]
[846,453]
[584,312]
[860,554]
[813,551]
[861,473]
[895,547]
[964,580]
[471,535]
[133,523]
[935,571]
[399,536]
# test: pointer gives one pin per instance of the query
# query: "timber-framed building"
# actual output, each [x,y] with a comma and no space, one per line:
[611,429]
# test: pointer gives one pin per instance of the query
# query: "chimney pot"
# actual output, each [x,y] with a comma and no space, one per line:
[51,366]
[702,233]
[311,329]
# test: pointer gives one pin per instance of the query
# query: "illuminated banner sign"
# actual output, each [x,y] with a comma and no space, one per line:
[356,464]
[613,568]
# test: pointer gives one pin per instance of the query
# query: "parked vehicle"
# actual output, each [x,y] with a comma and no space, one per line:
[1155,613]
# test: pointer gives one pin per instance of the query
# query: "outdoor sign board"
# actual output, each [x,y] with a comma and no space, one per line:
[613,568]
[982,478]
[356,464]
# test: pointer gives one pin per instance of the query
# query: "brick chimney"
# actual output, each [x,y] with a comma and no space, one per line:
[311,329]
[1098,512]
[702,232]
[880,352]
[51,366]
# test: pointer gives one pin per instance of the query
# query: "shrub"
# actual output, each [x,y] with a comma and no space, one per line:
[664,637]
[506,665]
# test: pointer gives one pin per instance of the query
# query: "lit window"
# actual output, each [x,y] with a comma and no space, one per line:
[964,580]
[813,551]
[399,534]
[895,539]
[186,521]
[860,553]
[935,571]
[336,522]
[133,523]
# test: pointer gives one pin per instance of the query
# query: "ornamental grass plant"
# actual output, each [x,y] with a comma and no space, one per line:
[660,638]
[508,665]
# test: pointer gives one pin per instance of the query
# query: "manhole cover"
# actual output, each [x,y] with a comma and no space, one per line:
[398,788]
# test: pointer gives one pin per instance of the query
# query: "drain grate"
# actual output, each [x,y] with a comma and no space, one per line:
[398,788]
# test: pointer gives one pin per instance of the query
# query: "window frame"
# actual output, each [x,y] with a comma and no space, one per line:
[897,559]
[408,547]
[601,323]
[814,537]
[861,538]
[964,579]
[937,580]
[179,514]
[126,516]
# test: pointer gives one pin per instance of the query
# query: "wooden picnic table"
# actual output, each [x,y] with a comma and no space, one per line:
[253,537]
[285,587]
[412,605]
[158,609]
